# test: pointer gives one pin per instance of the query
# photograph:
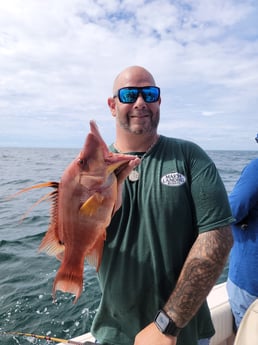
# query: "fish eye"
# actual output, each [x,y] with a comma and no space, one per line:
[82,164]
[81,161]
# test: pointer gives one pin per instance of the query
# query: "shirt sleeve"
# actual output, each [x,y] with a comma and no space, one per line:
[212,209]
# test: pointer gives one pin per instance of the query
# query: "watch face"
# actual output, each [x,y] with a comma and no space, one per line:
[162,320]
[166,325]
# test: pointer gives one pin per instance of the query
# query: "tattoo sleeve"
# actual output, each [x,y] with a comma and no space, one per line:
[202,268]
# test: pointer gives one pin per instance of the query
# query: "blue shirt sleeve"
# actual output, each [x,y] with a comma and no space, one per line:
[245,193]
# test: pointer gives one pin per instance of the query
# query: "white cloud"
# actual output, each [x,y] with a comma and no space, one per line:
[58,60]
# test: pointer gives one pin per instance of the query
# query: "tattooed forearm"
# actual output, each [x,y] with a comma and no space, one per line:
[202,268]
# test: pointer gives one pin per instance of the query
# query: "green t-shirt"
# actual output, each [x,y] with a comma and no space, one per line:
[179,194]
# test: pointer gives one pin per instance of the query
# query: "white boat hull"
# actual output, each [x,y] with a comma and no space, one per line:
[221,316]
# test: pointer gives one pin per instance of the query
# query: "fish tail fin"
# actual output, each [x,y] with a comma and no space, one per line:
[69,280]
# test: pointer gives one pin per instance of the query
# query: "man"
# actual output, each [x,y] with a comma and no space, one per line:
[168,242]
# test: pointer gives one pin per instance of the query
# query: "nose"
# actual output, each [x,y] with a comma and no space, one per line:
[140,102]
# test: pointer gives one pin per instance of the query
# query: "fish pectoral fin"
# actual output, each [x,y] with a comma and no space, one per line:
[91,205]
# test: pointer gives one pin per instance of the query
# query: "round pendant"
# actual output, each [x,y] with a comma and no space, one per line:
[134,176]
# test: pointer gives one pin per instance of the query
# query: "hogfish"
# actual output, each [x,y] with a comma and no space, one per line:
[83,204]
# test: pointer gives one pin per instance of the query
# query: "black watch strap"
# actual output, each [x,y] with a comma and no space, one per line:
[165,324]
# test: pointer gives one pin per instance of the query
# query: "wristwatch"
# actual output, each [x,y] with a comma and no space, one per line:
[165,324]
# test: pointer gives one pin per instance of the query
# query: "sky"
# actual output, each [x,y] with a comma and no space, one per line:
[59,58]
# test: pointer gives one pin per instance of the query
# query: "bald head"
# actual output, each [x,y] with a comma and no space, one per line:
[133,76]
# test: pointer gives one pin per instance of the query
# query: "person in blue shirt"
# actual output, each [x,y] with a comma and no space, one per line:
[242,283]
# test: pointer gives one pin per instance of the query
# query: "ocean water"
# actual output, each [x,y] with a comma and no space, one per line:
[26,276]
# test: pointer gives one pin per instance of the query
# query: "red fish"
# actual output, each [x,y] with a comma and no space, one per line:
[83,204]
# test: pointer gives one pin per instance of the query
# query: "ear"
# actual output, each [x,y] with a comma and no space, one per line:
[112,105]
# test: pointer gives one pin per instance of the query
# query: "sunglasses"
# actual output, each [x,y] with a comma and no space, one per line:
[150,94]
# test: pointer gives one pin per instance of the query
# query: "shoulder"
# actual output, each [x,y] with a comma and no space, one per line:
[180,142]
[247,183]
[251,169]
[253,164]
[185,147]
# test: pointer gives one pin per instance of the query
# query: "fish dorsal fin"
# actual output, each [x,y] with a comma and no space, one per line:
[36,186]
[89,208]
[51,195]
[52,243]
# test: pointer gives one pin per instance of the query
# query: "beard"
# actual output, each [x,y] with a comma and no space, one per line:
[140,122]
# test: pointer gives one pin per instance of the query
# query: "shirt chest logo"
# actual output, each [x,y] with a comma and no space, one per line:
[174,179]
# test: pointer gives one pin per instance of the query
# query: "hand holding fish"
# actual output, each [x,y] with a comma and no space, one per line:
[124,170]
[121,174]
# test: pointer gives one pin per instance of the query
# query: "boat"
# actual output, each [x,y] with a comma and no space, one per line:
[221,316]
[256,138]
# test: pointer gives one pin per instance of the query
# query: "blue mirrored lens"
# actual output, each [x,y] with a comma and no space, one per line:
[128,95]
[150,94]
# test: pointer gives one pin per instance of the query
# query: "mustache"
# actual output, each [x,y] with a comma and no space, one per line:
[140,113]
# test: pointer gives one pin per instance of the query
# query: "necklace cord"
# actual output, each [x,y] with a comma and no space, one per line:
[134,174]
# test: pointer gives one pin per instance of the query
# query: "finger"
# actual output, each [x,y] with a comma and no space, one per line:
[125,170]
